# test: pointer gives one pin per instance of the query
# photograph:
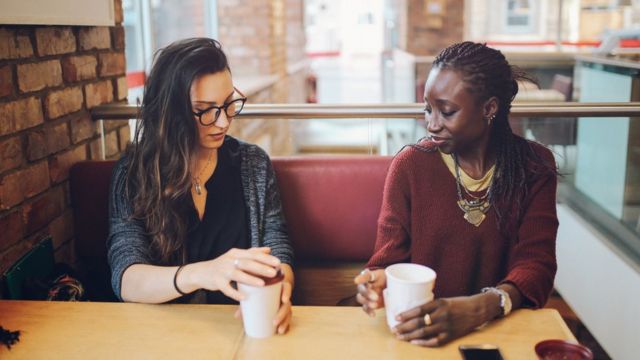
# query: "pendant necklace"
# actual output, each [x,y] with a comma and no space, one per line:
[476,208]
[196,179]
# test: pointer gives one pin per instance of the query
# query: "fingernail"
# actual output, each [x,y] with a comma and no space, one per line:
[374,296]
[398,318]
[431,342]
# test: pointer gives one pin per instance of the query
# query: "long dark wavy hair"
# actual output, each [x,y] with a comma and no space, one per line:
[487,74]
[159,176]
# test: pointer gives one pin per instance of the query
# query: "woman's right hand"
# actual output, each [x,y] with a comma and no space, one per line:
[370,285]
[237,265]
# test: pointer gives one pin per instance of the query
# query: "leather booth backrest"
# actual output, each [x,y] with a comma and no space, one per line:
[331,205]
[89,186]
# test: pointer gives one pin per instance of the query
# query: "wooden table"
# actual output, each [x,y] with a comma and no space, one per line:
[63,330]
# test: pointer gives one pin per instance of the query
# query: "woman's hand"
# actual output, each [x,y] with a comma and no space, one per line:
[370,285]
[237,265]
[447,319]
[283,316]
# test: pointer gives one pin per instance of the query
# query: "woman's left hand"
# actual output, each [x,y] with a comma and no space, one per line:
[448,319]
[283,317]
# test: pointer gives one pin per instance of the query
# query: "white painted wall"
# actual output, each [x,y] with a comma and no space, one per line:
[600,284]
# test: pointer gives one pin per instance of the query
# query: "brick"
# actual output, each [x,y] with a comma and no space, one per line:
[36,145]
[25,49]
[11,155]
[98,93]
[20,114]
[117,37]
[6,81]
[61,163]
[111,144]
[119,15]
[11,228]
[95,150]
[112,64]
[14,47]
[114,124]
[82,128]
[37,76]
[44,209]
[78,68]
[11,190]
[97,37]
[35,179]
[61,228]
[54,40]
[124,133]
[63,102]
[122,88]
[57,138]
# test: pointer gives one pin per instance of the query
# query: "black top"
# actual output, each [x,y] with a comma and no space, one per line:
[224,224]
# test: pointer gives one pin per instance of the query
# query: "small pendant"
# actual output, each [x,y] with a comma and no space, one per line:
[474,217]
[474,214]
[198,189]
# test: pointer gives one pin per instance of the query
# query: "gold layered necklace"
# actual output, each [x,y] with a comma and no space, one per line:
[196,179]
[475,209]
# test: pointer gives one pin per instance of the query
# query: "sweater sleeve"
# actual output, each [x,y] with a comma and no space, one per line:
[392,237]
[532,261]
[275,228]
[127,243]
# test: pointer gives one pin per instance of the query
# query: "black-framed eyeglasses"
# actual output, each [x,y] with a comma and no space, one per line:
[210,115]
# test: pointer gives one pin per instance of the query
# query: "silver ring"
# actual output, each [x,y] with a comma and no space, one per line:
[236,262]
[427,320]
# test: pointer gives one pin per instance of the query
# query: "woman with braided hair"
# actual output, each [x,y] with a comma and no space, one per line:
[472,200]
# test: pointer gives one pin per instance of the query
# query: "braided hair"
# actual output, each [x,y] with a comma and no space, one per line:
[488,74]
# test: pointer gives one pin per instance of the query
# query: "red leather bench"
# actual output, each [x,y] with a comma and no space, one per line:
[331,205]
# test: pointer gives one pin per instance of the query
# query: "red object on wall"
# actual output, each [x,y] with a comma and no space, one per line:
[136,79]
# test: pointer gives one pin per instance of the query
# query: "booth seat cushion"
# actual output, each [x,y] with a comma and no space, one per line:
[332,204]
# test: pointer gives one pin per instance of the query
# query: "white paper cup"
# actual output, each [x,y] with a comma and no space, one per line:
[408,286]
[260,306]
[394,307]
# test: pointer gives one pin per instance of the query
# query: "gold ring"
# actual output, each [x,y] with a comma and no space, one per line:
[427,320]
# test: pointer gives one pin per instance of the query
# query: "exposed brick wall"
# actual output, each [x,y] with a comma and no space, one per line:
[269,42]
[421,40]
[50,76]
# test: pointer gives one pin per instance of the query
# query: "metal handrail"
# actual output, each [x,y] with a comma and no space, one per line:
[389,111]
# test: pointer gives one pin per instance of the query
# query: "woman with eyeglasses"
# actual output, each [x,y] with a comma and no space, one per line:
[192,209]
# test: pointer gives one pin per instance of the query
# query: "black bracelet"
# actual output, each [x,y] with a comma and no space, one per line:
[175,281]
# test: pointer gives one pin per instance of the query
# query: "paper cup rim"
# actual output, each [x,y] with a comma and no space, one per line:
[389,269]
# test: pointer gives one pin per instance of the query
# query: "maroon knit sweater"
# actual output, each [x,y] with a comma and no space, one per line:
[420,222]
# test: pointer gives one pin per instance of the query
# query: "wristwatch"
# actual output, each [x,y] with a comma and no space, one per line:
[505,299]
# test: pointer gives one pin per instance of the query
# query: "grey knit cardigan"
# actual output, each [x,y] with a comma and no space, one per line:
[128,242]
